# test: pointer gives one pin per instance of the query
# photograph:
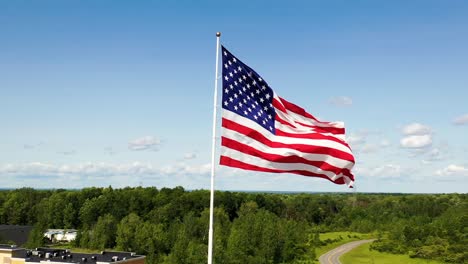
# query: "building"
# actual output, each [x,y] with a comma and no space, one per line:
[15,255]
[61,235]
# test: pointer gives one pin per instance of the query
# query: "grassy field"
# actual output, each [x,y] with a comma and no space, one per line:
[363,255]
[345,238]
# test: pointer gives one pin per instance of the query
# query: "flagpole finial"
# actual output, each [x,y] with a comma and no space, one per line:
[218,34]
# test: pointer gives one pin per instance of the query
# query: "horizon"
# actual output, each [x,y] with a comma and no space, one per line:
[93,93]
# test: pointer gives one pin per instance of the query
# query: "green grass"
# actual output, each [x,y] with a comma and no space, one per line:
[346,237]
[363,255]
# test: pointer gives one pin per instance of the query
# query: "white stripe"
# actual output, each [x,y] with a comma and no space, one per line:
[238,137]
[255,161]
[281,139]
[292,117]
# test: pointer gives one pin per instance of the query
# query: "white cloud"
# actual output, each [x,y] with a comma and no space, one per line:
[33,146]
[110,151]
[369,148]
[416,141]
[417,136]
[67,152]
[434,154]
[341,101]
[386,171]
[416,129]
[385,143]
[144,143]
[99,169]
[453,170]
[461,120]
[356,140]
[190,155]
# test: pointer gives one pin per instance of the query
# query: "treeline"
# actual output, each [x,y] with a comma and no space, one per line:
[171,225]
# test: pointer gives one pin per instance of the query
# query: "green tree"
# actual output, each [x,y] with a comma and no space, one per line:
[126,232]
[104,233]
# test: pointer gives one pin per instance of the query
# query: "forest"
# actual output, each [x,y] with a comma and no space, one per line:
[170,225]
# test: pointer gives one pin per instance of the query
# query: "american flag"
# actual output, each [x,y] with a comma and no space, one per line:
[264,132]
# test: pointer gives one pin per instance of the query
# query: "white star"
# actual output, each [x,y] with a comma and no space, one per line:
[235,107]
[226,90]
[239,68]
[226,78]
[240,104]
[235,71]
[248,97]
[225,65]
[231,86]
[267,96]
[265,108]
[230,99]
[252,94]
[245,112]
[240,92]
[235,83]
[225,53]
[264,122]
[226,103]
[248,86]
[253,106]
[254,83]
[243,88]
[271,128]
[230,74]
[260,79]
[245,101]
[257,91]
[269,116]
[248,108]
[255,117]
[235,96]
[230,63]
[261,100]
[263,87]
[240,80]
[234,59]
[244,77]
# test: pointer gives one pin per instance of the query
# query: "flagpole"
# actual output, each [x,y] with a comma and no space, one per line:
[213,142]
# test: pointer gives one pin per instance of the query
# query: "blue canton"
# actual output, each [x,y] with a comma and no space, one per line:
[246,93]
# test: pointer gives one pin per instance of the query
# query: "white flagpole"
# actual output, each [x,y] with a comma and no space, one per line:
[210,231]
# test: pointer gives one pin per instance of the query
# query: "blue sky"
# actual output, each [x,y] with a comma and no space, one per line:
[99,93]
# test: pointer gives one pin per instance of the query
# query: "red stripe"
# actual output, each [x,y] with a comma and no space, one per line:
[227,161]
[232,144]
[284,122]
[300,147]
[312,135]
[332,130]
[296,109]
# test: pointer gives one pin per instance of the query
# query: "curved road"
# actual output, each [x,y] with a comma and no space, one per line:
[333,256]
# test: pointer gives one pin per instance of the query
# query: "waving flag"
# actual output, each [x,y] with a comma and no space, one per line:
[264,132]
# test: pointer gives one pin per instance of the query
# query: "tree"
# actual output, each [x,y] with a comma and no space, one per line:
[126,231]
[104,233]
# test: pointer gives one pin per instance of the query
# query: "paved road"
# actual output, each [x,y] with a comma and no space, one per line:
[333,256]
